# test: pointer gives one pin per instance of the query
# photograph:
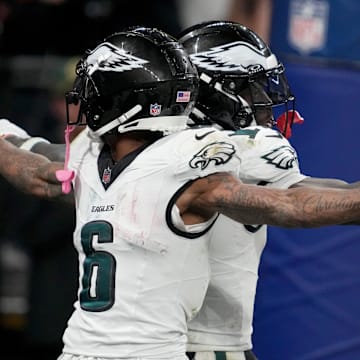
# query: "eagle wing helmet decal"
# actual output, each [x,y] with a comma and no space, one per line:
[229,57]
[218,152]
[107,57]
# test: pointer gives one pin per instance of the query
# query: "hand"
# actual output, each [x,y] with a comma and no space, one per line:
[8,128]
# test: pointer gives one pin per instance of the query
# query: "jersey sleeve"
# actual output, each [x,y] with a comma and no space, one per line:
[201,152]
[267,158]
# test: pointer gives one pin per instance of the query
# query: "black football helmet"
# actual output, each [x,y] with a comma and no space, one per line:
[138,79]
[233,61]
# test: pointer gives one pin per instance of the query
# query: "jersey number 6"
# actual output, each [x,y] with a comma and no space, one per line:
[98,282]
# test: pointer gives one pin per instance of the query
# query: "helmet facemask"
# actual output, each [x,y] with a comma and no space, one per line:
[219,103]
[279,98]
[85,97]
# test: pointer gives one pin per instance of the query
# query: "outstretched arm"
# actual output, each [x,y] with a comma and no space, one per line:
[20,138]
[31,173]
[54,152]
[328,183]
[251,204]
[324,183]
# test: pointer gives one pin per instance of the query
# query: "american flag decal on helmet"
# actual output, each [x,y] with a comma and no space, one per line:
[183,96]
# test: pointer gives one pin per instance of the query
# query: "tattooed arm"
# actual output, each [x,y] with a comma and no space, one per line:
[20,138]
[328,183]
[250,204]
[54,152]
[299,207]
[29,172]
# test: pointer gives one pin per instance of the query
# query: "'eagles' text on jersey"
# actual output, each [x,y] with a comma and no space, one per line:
[139,280]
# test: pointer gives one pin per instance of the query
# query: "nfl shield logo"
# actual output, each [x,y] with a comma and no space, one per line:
[106,175]
[155,109]
[308,24]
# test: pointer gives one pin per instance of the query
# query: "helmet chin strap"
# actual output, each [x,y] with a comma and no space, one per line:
[206,78]
[158,123]
[238,99]
[201,118]
[118,121]
[250,115]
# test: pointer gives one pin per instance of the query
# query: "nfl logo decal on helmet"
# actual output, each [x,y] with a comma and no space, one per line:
[155,109]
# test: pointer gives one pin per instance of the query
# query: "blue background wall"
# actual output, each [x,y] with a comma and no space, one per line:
[308,299]
[325,29]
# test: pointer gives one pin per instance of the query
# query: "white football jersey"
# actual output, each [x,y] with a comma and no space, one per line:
[224,322]
[141,279]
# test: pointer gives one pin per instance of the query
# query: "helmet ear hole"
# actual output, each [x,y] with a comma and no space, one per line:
[234,86]
[242,123]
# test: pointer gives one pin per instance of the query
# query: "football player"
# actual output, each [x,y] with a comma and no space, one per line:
[147,194]
[241,81]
